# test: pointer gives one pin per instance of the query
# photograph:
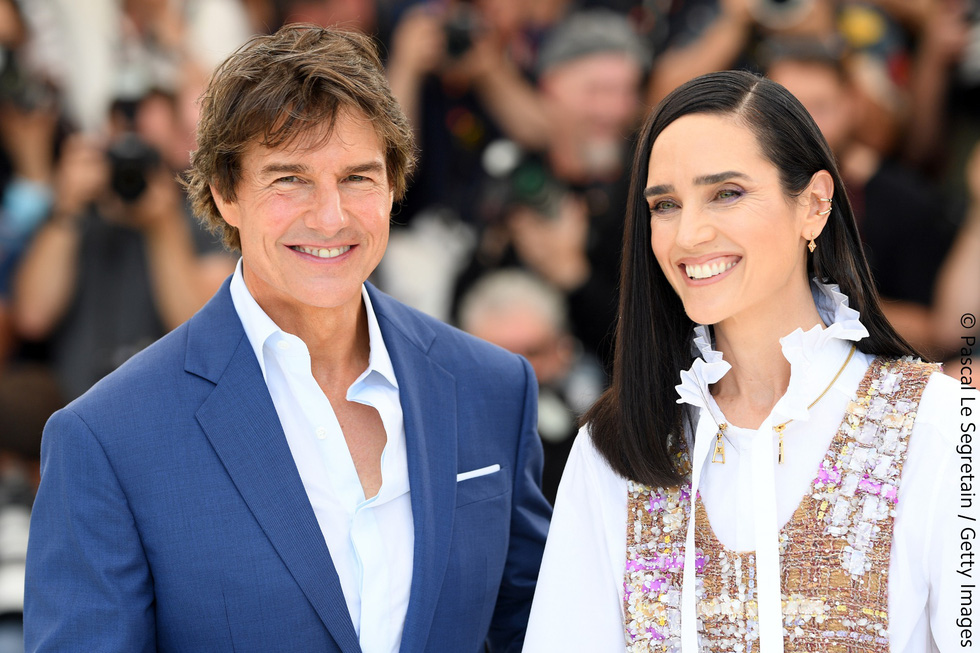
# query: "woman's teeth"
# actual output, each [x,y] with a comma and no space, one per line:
[707,270]
[323,253]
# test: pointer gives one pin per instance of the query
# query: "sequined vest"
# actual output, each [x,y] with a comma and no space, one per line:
[834,551]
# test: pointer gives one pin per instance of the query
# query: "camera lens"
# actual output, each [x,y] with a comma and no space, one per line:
[131,159]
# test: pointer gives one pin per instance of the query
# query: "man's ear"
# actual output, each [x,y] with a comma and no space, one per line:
[818,200]
[228,210]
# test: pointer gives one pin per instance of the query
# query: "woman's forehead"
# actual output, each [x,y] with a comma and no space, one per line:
[704,144]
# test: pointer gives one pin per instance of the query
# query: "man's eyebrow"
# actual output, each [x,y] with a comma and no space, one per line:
[295,168]
[279,168]
[370,166]
[704,180]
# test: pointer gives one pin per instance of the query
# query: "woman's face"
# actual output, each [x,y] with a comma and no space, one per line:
[725,234]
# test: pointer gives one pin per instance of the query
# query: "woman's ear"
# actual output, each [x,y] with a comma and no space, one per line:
[818,200]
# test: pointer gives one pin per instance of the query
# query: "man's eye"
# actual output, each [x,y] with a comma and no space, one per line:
[356,178]
[289,179]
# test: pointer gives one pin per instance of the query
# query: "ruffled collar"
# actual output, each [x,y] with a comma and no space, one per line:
[808,352]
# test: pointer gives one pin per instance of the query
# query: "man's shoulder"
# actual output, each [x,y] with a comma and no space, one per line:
[140,382]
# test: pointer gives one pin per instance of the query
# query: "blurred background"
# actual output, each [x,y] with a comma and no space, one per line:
[524,112]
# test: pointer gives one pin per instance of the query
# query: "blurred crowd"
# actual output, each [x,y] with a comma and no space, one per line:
[524,112]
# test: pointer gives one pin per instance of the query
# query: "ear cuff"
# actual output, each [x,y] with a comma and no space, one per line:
[829,209]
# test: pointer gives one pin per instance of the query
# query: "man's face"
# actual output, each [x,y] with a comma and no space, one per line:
[313,217]
[598,95]
[524,330]
[821,91]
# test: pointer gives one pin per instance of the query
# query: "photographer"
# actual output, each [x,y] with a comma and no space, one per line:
[120,262]
[461,74]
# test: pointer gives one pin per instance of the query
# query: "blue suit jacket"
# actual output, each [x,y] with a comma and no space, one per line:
[171,515]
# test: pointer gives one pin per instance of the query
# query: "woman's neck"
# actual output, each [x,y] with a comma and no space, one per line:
[760,373]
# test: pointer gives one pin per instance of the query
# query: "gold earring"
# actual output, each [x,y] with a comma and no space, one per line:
[813,244]
[829,209]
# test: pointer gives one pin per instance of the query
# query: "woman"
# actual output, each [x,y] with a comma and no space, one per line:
[818,457]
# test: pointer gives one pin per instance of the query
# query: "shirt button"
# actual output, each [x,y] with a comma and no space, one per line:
[282,344]
[321,433]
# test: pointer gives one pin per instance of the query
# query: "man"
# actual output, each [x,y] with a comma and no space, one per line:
[305,465]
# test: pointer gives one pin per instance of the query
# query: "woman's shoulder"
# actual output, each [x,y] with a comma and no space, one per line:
[945,418]
[588,473]
[946,405]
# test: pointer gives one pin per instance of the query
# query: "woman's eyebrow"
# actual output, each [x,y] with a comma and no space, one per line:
[707,180]
[704,180]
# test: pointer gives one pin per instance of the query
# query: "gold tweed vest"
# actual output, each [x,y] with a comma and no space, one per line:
[834,551]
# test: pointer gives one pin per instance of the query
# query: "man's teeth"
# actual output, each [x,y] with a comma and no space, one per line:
[323,253]
[707,270]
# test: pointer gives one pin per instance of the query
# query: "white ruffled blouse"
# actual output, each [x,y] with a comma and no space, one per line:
[578,604]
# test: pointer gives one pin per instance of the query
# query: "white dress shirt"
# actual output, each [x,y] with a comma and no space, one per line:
[578,604]
[371,541]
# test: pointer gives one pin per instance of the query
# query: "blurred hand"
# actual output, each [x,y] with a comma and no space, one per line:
[160,20]
[483,57]
[946,32]
[554,247]
[81,177]
[739,10]
[12,30]
[28,137]
[159,205]
[418,44]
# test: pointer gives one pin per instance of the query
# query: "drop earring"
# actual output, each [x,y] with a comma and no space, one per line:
[813,243]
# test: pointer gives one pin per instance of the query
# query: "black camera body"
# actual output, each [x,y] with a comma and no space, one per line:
[131,160]
[460,26]
[531,184]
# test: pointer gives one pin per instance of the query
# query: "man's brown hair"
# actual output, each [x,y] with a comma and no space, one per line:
[279,87]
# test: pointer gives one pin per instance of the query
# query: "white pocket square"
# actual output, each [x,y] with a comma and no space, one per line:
[483,471]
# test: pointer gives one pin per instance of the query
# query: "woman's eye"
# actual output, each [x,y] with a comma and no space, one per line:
[728,194]
[663,206]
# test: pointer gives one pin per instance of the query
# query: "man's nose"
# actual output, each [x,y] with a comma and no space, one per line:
[327,215]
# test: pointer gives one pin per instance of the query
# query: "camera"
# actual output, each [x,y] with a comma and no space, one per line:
[131,160]
[460,25]
[531,184]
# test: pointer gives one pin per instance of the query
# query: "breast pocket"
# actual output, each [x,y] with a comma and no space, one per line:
[481,488]
[481,532]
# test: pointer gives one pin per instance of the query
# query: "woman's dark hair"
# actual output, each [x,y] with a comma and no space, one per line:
[631,423]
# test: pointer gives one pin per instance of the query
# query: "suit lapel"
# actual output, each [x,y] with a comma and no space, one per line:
[240,420]
[428,400]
